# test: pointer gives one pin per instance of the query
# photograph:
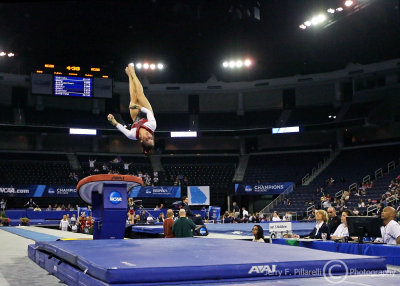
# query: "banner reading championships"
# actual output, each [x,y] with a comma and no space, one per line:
[263,189]
[155,192]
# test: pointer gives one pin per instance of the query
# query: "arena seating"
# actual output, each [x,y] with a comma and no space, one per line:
[351,166]
[28,169]
[289,167]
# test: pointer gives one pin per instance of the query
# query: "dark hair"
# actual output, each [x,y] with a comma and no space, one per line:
[147,149]
[348,212]
[260,232]
[184,198]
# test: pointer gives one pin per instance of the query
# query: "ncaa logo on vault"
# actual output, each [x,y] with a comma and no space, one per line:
[248,188]
[115,198]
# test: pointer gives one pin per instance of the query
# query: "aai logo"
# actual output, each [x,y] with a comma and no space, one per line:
[248,188]
[115,198]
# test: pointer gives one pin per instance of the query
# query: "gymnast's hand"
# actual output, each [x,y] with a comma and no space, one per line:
[135,106]
[112,120]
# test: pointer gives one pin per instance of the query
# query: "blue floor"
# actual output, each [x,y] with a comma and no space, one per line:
[30,234]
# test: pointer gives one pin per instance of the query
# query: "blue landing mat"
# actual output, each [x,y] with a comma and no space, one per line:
[188,259]
[36,236]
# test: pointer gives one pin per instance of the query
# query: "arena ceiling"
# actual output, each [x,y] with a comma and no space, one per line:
[193,37]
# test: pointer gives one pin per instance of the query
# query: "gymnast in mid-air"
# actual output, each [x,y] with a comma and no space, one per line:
[144,122]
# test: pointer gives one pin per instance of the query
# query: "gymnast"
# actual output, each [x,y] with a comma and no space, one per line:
[144,123]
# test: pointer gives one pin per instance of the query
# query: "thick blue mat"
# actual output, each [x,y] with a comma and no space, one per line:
[190,259]
[36,236]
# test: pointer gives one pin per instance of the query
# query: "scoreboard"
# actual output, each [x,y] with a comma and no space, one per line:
[73,86]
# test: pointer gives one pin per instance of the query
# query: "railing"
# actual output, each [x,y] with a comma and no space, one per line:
[371,209]
[378,173]
[353,186]
[305,178]
[309,209]
[391,165]
[339,194]
[277,200]
[366,179]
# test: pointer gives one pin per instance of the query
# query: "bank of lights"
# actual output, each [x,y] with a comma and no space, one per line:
[148,66]
[237,64]
[319,19]
[3,54]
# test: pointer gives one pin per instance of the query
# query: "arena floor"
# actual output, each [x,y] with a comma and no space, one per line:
[17,269]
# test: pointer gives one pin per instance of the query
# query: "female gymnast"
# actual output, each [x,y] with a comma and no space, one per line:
[144,123]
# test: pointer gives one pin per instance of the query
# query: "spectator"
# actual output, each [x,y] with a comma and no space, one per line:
[321,227]
[390,229]
[275,216]
[342,231]
[361,204]
[333,220]
[73,219]
[30,204]
[161,217]
[49,208]
[64,224]
[244,212]
[355,211]
[183,226]
[143,217]
[3,204]
[157,208]
[167,224]
[236,210]
[37,209]
[288,216]
[258,233]
[91,165]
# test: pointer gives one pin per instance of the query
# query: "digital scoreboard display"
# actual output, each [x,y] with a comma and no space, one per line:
[72,86]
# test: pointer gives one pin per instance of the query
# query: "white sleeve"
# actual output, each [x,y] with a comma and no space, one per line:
[150,117]
[131,134]
[395,230]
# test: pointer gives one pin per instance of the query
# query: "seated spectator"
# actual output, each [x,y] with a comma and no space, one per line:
[391,229]
[157,208]
[342,230]
[244,212]
[49,208]
[275,216]
[361,204]
[37,209]
[333,220]
[346,195]
[167,224]
[143,217]
[288,216]
[183,226]
[321,227]
[355,211]
[137,218]
[258,233]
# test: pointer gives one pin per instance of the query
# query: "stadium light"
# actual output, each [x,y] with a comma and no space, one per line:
[160,66]
[247,62]
[302,26]
[152,66]
[330,10]
[80,131]
[318,19]
[183,134]
[294,129]
[2,54]
[307,23]
[239,64]
[146,66]
[348,3]
[339,9]
[225,64]
[138,66]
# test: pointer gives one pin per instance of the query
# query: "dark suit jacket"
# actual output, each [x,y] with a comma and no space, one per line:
[323,229]
[333,223]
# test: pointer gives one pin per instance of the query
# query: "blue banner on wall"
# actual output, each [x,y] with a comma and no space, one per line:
[214,212]
[37,191]
[155,192]
[264,189]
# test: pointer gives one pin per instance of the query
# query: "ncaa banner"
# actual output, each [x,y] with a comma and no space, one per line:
[264,189]
[214,212]
[198,195]
[155,192]
[38,191]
